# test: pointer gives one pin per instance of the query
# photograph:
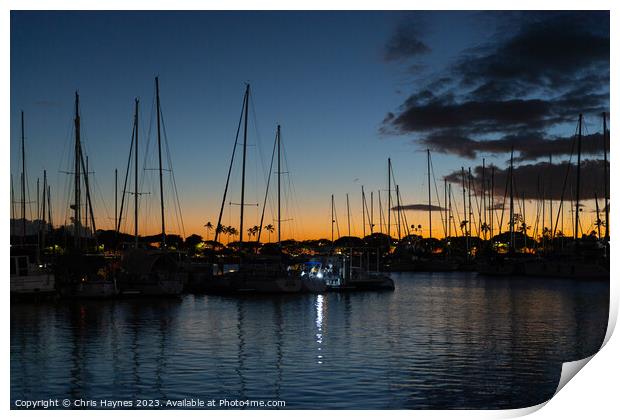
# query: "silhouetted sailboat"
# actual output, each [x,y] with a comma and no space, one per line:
[29,276]
[585,259]
[149,272]
[257,274]
[80,273]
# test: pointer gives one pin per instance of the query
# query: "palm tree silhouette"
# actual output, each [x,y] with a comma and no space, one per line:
[464,227]
[485,228]
[269,228]
[209,227]
[232,231]
[253,231]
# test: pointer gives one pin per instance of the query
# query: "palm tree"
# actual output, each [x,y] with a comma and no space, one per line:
[228,231]
[209,227]
[485,228]
[253,231]
[232,231]
[524,228]
[269,228]
[463,227]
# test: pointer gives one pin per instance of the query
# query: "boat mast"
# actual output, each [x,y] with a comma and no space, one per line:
[484,200]
[218,227]
[492,199]
[470,212]
[389,198]
[380,213]
[43,208]
[279,174]
[576,233]
[543,192]
[551,199]
[38,216]
[428,170]
[135,197]
[86,204]
[245,146]
[161,178]
[398,210]
[348,215]
[363,213]
[333,220]
[445,203]
[598,219]
[23,203]
[511,222]
[465,221]
[84,171]
[77,215]
[372,211]
[605,177]
[115,199]
[49,206]
[449,209]
[524,222]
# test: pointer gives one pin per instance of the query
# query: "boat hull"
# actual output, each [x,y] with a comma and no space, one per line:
[33,284]
[566,269]
[90,290]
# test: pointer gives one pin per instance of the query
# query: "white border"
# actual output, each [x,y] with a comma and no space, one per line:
[593,394]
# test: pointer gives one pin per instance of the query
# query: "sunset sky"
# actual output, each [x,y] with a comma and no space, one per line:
[349,89]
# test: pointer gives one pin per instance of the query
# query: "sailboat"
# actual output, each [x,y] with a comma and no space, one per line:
[83,274]
[29,275]
[581,261]
[258,274]
[513,263]
[147,272]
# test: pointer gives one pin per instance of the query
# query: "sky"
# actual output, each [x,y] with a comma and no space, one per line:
[349,89]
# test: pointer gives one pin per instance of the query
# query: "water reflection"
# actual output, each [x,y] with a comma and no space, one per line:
[439,341]
[319,327]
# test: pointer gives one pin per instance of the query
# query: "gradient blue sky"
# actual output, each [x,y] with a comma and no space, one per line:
[322,76]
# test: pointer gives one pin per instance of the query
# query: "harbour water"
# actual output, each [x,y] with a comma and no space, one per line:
[443,340]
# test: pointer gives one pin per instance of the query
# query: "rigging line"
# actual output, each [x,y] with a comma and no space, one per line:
[404,215]
[292,193]
[501,219]
[365,204]
[258,138]
[452,199]
[568,166]
[262,217]
[149,134]
[146,179]
[458,214]
[120,214]
[441,215]
[478,207]
[218,226]
[174,183]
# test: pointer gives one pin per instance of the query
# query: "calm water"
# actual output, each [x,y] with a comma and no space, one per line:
[439,341]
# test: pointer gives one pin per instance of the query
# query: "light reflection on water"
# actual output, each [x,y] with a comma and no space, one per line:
[319,326]
[439,341]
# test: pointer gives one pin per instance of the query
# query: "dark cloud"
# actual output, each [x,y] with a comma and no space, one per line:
[551,67]
[420,207]
[404,44]
[528,178]
[527,146]
[546,52]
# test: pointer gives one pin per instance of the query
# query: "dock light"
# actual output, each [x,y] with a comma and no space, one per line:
[320,275]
